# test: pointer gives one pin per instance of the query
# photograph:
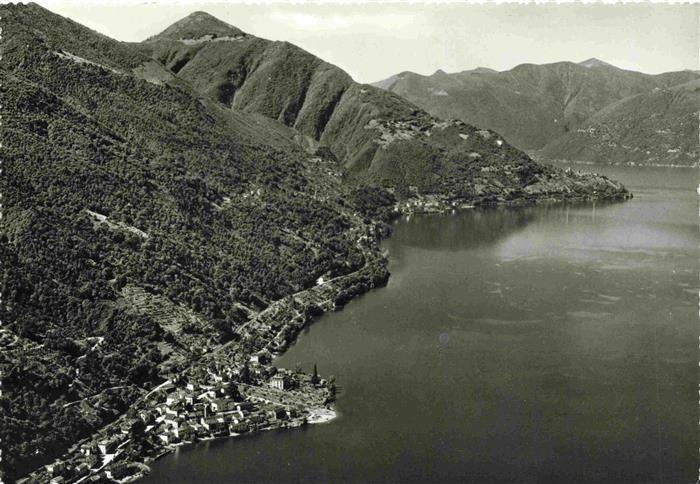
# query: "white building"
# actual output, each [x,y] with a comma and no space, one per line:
[277,382]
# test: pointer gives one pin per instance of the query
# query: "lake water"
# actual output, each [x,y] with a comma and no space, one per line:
[549,344]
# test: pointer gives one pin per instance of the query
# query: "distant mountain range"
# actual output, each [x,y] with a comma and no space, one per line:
[590,111]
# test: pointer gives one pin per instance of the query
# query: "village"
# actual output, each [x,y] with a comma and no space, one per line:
[229,390]
[253,397]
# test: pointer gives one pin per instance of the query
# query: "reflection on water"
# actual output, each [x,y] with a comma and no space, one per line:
[479,227]
[548,344]
[469,228]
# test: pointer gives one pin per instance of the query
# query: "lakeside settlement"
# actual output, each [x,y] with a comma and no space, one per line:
[228,389]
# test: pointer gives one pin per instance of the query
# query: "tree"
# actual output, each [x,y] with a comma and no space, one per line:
[314,377]
[232,391]
[137,430]
[245,374]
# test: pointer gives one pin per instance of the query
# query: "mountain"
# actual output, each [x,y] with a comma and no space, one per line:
[378,137]
[534,105]
[191,26]
[162,199]
[659,127]
[593,63]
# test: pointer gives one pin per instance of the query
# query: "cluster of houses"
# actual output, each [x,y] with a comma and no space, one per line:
[188,411]
[83,466]
[87,460]
[424,203]
[188,415]
[220,401]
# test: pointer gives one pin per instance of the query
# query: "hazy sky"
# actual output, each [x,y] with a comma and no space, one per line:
[374,41]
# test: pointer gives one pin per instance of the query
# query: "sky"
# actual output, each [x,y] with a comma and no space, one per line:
[373,41]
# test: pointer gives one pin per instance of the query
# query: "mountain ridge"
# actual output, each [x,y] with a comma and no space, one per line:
[366,128]
[534,105]
[656,128]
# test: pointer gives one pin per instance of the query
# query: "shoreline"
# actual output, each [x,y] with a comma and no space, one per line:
[325,415]
[331,295]
[430,204]
[322,416]
[598,163]
[288,316]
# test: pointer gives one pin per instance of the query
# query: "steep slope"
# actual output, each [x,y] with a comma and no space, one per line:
[283,82]
[117,190]
[659,127]
[378,136]
[531,105]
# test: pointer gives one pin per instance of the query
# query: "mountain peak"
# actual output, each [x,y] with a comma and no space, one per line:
[200,16]
[197,25]
[439,72]
[480,70]
[593,62]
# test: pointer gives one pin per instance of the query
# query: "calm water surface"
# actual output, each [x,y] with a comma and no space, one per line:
[548,344]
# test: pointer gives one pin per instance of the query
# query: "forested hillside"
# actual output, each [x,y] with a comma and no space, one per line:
[145,219]
[378,136]
[656,128]
[532,106]
[112,182]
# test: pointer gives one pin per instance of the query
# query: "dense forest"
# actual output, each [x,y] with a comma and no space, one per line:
[111,182]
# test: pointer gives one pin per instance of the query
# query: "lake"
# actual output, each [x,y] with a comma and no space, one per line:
[551,344]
